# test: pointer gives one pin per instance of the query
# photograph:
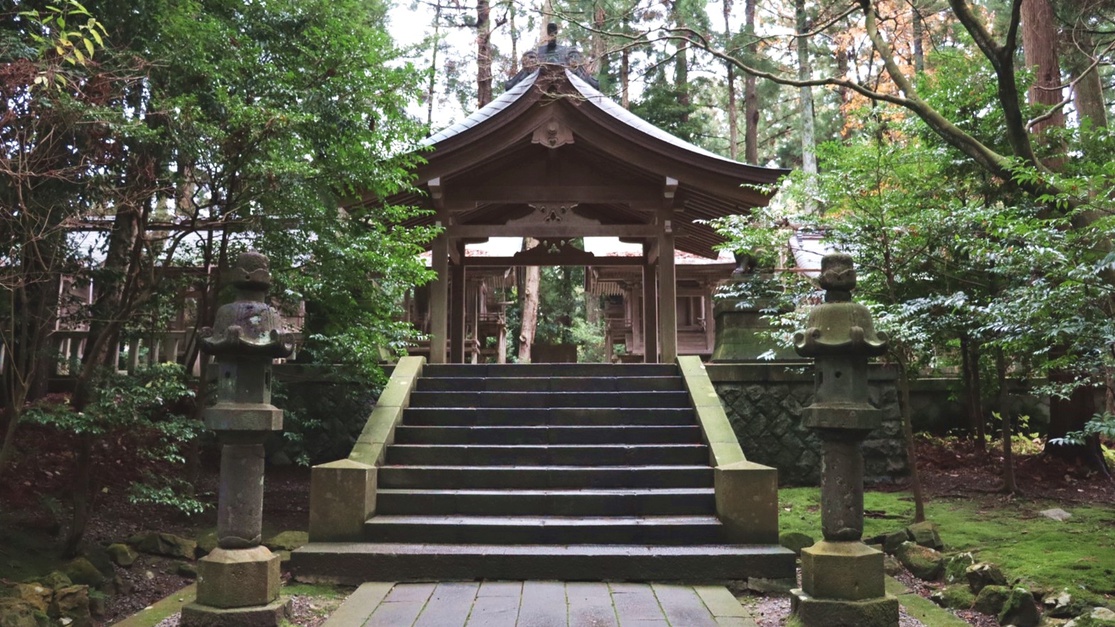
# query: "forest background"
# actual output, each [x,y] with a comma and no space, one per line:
[960,150]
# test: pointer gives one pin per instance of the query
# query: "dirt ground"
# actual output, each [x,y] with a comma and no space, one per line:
[32,512]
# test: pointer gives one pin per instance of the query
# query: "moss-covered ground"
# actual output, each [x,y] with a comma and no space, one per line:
[1078,554]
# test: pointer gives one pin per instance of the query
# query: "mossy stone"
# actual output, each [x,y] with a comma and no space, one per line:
[926,534]
[922,562]
[795,541]
[206,542]
[121,554]
[954,597]
[187,570]
[82,572]
[20,613]
[991,600]
[55,580]
[956,566]
[165,544]
[1020,609]
[982,575]
[72,602]
[287,540]
[893,540]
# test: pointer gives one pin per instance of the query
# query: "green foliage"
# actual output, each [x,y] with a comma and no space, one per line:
[1102,425]
[322,417]
[148,413]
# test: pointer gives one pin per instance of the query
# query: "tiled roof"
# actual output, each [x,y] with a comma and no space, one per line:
[485,112]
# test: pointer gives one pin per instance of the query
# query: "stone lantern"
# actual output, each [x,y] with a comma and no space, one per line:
[238,582]
[841,577]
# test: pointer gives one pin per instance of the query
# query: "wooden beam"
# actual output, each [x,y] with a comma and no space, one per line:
[552,231]
[437,194]
[551,260]
[466,198]
[669,192]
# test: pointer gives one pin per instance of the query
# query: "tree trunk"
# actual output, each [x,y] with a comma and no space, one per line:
[1088,93]
[681,67]
[969,354]
[1009,485]
[918,26]
[908,436]
[808,139]
[532,279]
[483,53]
[624,77]
[750,90]
[1039,47]
[431,84]
[733,113]
[599,48]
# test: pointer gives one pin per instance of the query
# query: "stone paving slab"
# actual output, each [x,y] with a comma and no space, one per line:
[539,604]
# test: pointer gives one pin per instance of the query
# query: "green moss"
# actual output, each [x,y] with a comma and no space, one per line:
[1077,552]
[325,591]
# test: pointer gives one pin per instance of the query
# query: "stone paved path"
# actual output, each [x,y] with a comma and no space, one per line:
[539,604]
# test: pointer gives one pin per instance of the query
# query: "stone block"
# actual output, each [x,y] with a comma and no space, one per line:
[243,417]
[850,571]
[342,498]
[269,615]
[812,612]
[747,502]
[229,578]
[819,416]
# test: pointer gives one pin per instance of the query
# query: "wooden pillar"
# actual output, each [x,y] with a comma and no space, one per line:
[458,292]
[650,314]
[710,315]
[667,293]
[439,299]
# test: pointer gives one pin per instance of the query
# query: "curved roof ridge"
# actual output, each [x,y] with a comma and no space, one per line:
[483,113]
[615,110]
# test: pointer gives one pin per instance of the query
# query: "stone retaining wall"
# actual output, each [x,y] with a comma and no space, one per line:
[764,401]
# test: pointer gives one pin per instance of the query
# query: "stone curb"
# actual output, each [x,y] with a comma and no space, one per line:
[161,610]
[921,608]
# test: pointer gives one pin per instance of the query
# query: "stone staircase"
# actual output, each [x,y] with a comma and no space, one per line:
[545,471]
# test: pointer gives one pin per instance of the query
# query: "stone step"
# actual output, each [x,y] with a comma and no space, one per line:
[546,455]
[549,370]
[548,434]
[540,400]
[467,416]
[355,563]
[550,384]
[461,529]
[579,502]
[542,477]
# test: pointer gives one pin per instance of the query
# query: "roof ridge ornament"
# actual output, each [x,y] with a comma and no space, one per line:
[550,53]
